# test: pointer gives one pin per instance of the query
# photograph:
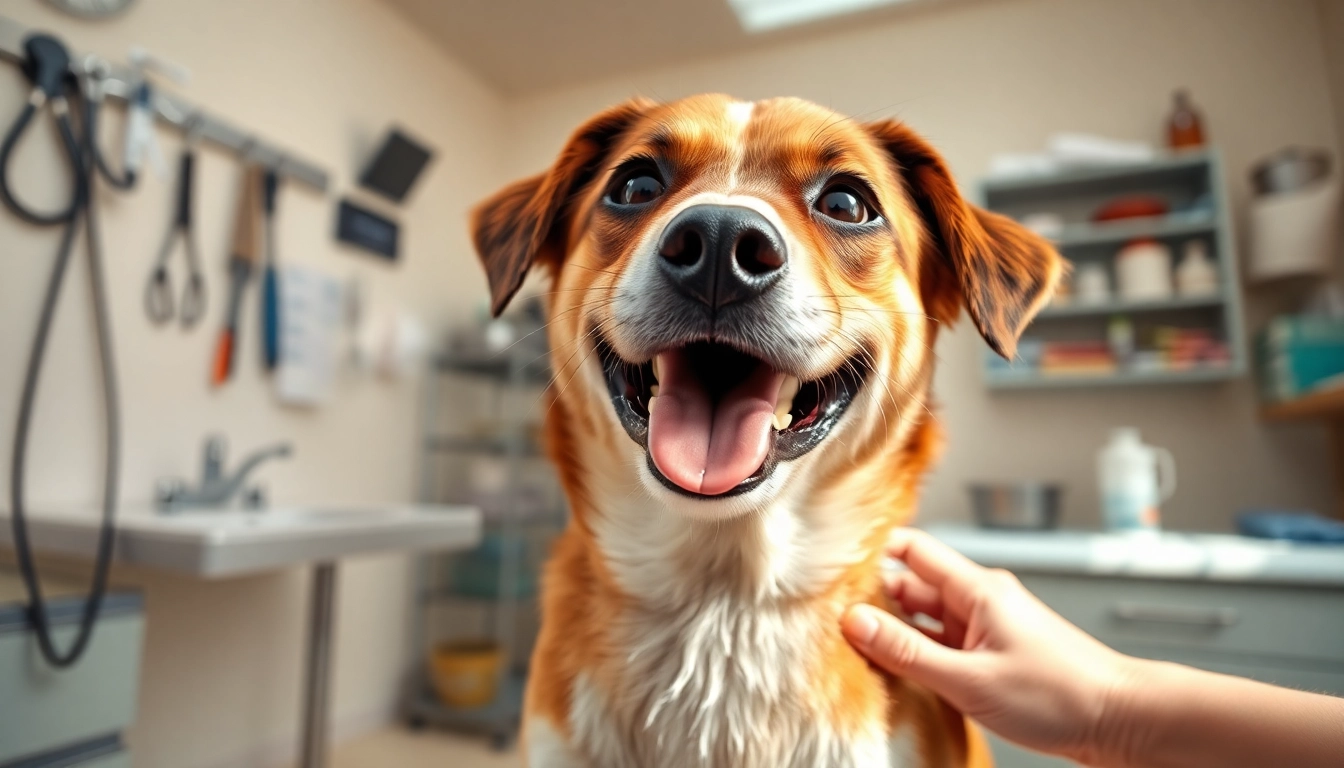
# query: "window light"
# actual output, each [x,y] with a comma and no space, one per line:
[765,15]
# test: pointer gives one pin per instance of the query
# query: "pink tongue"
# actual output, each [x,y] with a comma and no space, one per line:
[706,447]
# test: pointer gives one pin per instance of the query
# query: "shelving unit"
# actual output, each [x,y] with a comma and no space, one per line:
[1029,380]
[514,532]
[1192,184]
[1123,307]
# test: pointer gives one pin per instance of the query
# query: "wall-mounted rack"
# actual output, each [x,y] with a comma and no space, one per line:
[1191,183]
[120,83]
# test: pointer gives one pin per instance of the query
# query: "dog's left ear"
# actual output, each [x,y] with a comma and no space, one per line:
[1003,272]
[522,223]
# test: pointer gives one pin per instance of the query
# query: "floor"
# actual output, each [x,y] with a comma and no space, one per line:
[423,749]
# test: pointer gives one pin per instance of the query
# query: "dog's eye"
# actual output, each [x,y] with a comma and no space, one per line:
[637,187]
[842,203]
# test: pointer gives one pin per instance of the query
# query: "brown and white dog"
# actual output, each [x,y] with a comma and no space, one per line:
[746,296]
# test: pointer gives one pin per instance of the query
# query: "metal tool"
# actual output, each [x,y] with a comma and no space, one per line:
[244,255]
[270,284]
[159,291]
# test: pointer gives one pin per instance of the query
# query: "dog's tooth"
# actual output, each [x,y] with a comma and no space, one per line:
[654,390]
[788,389]
[652,400]
[656,375]
[782,422]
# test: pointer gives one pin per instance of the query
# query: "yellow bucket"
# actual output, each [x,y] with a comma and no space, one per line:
[466,672]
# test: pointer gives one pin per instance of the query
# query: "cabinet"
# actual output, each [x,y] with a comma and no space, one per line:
[75,716]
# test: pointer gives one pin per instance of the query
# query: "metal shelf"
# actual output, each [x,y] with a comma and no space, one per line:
[1165,164]
[500,718]
[495,367]
[494,446]
[1123,307]
[450,594]
[1193,185]
[1105,233]
[1032,379]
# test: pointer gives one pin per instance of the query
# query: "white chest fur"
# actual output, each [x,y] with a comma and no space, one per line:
[720,685]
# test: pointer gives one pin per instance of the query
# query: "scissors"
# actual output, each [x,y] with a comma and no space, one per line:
[158,292]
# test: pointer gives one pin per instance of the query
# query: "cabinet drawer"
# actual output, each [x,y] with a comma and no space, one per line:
[1234,619]
[47,709]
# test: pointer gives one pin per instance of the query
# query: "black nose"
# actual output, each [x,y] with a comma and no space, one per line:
[719,254]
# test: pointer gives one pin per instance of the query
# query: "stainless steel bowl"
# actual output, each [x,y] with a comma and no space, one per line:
[1017,506]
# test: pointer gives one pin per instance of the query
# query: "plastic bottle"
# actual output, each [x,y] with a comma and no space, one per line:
[1128,476]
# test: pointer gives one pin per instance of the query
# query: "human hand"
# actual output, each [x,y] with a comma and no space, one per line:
[1002,657]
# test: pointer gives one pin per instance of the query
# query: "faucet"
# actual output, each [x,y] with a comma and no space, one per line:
[216,489]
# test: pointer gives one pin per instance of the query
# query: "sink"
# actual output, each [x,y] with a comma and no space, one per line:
[226,543]
[214,544]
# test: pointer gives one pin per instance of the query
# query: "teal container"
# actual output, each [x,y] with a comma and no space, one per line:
[1296,353]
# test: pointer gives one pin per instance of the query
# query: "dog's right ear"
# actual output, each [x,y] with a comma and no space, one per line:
[523,223]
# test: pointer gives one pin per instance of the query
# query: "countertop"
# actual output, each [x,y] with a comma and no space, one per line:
[1165,555]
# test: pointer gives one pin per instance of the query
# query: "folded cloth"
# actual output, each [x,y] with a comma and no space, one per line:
[1292,526]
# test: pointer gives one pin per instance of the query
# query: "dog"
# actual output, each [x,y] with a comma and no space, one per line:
[743,305]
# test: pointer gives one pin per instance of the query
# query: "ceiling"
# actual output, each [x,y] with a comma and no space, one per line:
[529,45]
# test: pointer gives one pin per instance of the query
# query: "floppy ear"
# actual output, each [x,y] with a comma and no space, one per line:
[1002,272]
[522,223]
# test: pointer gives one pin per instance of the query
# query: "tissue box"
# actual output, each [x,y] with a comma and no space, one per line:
[1295,353]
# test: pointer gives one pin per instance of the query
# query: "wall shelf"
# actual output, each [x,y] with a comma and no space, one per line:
[1105,233]
[1325,405]
[1176,163]
[1125,307]
[1030,379]
[1191,184]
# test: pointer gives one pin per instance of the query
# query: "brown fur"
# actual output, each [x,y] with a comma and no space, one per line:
[950,252]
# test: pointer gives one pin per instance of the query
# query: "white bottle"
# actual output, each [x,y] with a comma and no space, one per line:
[1197,276]
[1132,489]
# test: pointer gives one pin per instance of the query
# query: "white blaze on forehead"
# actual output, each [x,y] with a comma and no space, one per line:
[739,114]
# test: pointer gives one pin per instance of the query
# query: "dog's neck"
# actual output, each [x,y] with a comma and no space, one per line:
[663,562]
[718,627]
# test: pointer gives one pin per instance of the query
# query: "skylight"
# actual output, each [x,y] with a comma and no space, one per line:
[766,15]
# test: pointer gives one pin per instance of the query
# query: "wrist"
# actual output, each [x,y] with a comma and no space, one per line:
[1122,724]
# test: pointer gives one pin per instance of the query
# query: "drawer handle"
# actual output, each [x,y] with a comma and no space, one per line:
[1168,614]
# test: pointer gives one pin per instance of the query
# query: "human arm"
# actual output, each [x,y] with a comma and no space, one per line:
[1006,660]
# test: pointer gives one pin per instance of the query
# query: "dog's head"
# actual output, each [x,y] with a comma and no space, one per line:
[740,286]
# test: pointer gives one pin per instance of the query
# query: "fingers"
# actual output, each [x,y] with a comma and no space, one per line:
[957,578]
[914,595]
[902,650]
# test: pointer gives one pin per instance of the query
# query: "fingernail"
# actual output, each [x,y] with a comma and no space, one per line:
[860,625]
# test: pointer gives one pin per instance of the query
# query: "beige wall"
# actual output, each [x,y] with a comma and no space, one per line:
[221,680]
[985,78]
[220,686]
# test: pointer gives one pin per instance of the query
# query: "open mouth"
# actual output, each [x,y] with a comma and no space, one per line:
[716,421]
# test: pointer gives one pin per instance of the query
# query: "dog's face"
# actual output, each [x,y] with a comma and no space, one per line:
[746,294]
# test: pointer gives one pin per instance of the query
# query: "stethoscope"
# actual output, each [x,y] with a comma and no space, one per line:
[47,66]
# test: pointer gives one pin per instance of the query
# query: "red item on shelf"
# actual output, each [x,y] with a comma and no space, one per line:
[1131,207]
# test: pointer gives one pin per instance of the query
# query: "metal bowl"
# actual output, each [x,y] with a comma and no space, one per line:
[1026,506]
